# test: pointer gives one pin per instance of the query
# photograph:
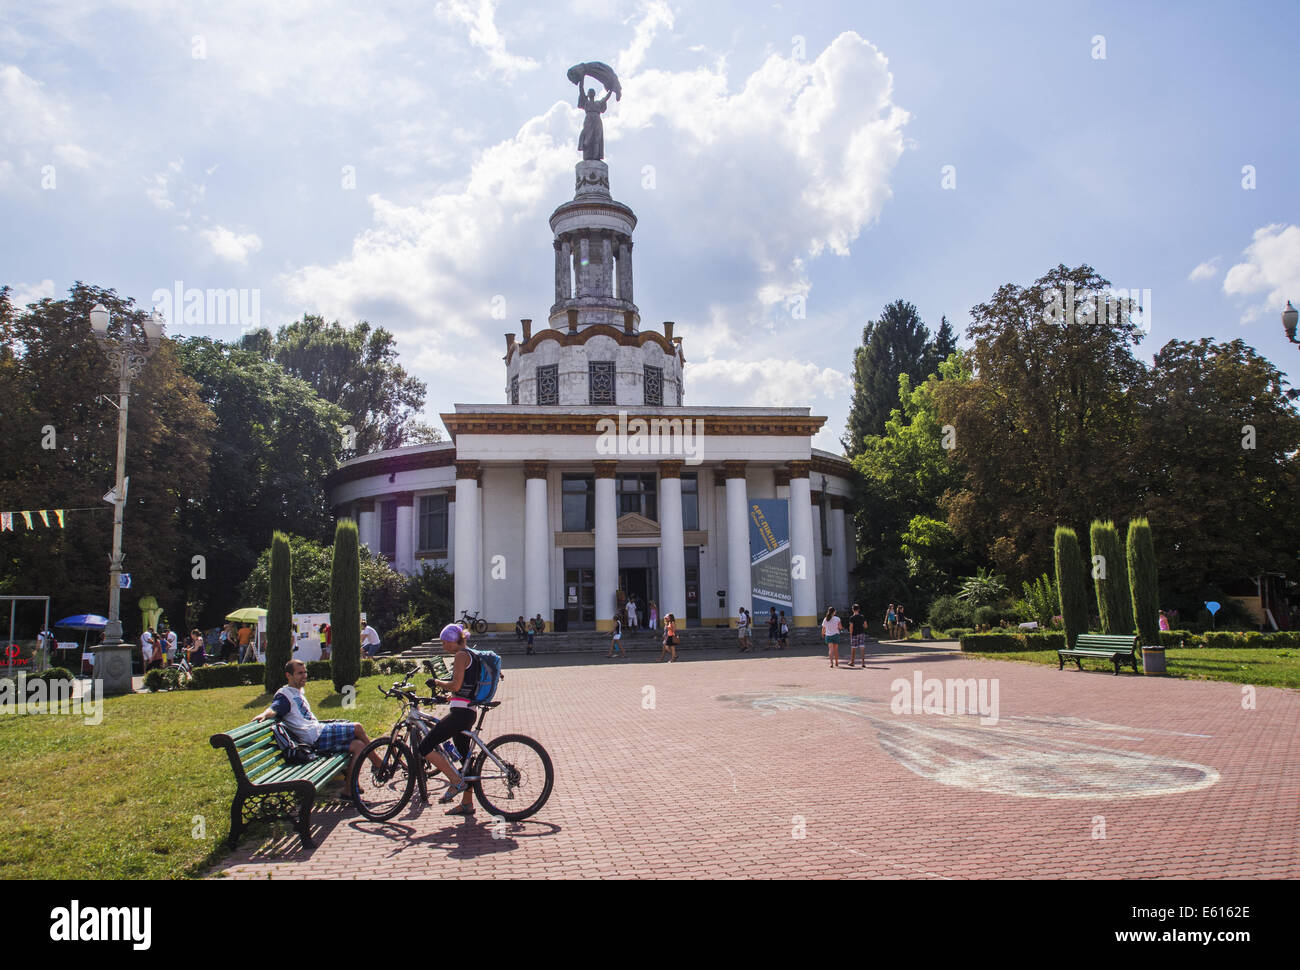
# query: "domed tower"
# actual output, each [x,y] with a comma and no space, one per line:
[593,351]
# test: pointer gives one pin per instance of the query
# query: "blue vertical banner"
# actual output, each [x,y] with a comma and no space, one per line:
[769,557]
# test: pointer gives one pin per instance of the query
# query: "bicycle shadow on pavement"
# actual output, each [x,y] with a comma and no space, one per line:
[466,838]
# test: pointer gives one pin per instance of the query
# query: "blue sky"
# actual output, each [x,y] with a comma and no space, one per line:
[773,153]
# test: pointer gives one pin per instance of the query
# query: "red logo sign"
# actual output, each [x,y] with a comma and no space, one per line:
[11,655]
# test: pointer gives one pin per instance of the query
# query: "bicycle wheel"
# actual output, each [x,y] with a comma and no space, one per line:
[523,788]
[379,800]
[480,626]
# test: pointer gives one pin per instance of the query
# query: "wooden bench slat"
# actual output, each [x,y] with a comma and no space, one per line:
[1117,648]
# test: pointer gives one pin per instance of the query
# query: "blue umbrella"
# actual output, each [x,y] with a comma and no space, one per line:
[84,621]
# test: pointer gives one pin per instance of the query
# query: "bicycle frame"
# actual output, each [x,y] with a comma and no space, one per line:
[414,723]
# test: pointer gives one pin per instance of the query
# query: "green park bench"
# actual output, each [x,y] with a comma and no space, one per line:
[268,787]
[1117,649]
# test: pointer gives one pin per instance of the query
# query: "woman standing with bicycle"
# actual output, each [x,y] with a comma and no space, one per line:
[465,669]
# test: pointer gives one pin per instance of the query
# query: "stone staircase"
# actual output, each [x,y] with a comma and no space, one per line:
[592,641]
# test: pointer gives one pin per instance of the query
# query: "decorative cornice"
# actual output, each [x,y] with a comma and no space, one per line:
[670,469]
[577,338]
[516,423]
[535,469]
[734,469]
[782,477]
[604,469]
[467,468]
[636,524]
[799,469]
[839,467]
[390,465]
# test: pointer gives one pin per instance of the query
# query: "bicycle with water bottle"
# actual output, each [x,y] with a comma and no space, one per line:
[510,775]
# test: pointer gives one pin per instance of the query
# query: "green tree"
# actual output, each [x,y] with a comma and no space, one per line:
[357,370]
[1045,429]
[1144,581]
[1219,436]
[273,447]
[896,344]
[982,589]
[1110,578]
[1072,582]
[60,452]
[279,613]
[345,605]
[901,477]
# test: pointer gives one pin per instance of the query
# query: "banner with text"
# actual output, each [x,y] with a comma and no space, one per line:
[769,557]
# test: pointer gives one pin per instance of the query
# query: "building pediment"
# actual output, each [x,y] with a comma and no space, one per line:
[636,524]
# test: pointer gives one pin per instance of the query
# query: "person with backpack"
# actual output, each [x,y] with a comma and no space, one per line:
[474,678]
[290,707]
[615,644]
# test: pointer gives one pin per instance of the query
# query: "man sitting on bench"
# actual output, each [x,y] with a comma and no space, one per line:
[325,737]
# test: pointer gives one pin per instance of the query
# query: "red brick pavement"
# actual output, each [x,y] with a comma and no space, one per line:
[777,765]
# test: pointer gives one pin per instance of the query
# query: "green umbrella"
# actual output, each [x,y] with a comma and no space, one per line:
[249,614]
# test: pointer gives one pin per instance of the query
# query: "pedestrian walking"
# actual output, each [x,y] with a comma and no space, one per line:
[857,636]
[889,621]
[784,629]
[631,610]
[654,616]
[831,633]
[773,629]
[615,644]
[745,626]
[670,638]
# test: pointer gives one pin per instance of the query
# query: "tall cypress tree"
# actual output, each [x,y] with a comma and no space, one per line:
[1110,577]
[1072,581]
[279,613]
[1143,581]
[345,605]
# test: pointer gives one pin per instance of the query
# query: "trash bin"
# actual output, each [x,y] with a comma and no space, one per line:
[1153,661]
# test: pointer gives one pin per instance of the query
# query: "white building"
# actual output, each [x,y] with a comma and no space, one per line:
[595,477]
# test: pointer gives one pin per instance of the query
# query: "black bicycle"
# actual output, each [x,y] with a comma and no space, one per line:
[511,775]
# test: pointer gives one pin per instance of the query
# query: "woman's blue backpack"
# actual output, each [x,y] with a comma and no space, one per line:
[489,675]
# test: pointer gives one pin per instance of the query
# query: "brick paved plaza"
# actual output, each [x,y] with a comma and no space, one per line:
[1083,775]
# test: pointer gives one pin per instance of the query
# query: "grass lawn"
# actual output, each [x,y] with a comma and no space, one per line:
[1263,668]
[119,800]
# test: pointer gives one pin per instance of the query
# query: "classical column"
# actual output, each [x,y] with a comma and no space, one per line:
[368,524]
[537,542]
[466,558]
[625,270]
[672,543]
[803,555]
[839,582]
[606,545]
[584,266]
[739,591]
[561,274]
[404,552]
[566,284]
[781,476]
[824,596]
[606,265]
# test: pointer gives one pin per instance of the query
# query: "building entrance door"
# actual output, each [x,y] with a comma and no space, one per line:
[638,575]
[580,598]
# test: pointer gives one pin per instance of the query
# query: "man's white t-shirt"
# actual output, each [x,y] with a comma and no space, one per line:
[146,646]
[299,719]
[171,644]
[369,636]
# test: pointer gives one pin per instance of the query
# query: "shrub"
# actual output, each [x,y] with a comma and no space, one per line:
[319,670]
[1043,599]
[367,667]
[231,675]
[279,614]
[949,611]
[162,678]
[1110,578]
[256,674]
[1048,640]
[1072,584]
[411,630]
[345,605]
[957,632]
[1174,638]
[1144,586]
[993,643]
[53,674]
[987,616]
[982,589]
[1223,640]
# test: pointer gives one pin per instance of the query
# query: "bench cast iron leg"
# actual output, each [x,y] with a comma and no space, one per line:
[236,820]
[304,819]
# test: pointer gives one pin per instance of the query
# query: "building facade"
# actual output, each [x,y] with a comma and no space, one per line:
[595,481]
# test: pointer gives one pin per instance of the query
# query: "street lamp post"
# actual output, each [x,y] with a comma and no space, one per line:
[1289,318]
[127,356]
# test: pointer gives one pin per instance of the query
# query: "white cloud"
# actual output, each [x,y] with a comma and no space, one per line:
[1272,267]
[232,246]
[480,17]
[25,293]
[654,15]
[38,126]
[1206,270]
[772,382]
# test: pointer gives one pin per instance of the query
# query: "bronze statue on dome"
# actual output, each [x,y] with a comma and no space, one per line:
[592,140]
